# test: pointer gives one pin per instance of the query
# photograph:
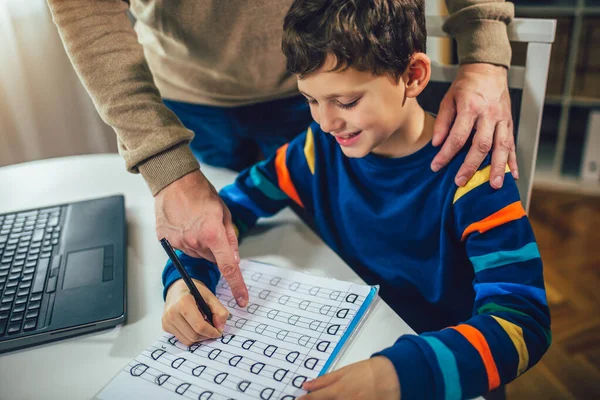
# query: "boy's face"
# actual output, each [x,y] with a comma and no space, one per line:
[361,110]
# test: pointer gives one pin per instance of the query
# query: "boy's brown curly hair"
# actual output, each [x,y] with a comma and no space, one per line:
[369,35]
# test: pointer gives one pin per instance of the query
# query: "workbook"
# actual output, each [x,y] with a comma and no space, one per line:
[293,329]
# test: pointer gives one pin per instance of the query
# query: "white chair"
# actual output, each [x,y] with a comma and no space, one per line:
[527,86]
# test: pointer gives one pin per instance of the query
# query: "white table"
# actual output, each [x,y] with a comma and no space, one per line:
[78,368]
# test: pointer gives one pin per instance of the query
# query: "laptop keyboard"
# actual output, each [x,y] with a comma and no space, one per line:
[27,267]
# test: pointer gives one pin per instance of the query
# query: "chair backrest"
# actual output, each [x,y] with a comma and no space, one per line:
[527,87]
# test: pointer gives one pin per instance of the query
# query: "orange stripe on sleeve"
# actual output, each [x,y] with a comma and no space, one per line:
[283,175]
[478,341]
[509,213]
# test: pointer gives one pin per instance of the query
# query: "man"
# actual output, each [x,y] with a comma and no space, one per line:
[219,66]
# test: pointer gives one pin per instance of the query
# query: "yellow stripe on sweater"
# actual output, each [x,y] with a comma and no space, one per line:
[309,150]
[515,333]
[480,177]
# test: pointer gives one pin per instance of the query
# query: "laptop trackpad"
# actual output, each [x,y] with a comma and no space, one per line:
[84,268]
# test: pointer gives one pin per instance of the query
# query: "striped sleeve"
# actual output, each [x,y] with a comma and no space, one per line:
[267,187]
[509,330]
[259,191]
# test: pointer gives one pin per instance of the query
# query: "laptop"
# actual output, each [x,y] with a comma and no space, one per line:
[62,271]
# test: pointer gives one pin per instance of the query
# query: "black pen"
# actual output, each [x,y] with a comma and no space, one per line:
[188,281]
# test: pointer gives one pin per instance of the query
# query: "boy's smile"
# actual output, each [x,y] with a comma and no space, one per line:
[347,139]
[365,113]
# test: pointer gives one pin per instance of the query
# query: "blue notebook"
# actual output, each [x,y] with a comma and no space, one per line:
[295,328]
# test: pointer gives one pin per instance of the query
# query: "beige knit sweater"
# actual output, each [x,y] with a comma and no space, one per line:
[217,52]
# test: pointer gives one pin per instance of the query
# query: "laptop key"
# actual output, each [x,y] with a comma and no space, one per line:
[8,299]
[38,235]
[27,214]
[16,317]
[32,314]
[4,314]
[29,324]
[5,307]
[19,308]
[36,297]
[10,291]
[40,277]
[13,328]
[21,300]
[51,284]
[34,305]
[25,285]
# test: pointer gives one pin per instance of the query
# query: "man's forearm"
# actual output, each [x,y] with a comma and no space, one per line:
[479,27]
[104,51]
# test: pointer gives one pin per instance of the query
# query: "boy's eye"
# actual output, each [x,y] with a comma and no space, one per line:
[345,106]
[311,101]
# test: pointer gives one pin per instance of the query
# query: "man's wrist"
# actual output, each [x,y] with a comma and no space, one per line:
[168,166]
[484,68]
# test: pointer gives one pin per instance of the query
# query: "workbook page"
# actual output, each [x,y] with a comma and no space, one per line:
[291,331]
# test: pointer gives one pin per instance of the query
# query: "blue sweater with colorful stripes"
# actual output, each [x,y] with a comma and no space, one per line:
[460,265]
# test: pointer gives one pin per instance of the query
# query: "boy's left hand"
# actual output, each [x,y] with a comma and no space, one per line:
[374,378]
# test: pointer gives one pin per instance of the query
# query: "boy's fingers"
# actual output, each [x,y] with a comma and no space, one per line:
[220,313]
[193,318]
[170,328]
[186,330]
[323,381]
[230,270]
[323,394]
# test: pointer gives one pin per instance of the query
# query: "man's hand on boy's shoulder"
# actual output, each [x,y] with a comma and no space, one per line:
[374,378]
[478,99]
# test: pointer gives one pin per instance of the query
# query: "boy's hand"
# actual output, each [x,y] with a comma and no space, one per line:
[374,378]
[478,98]
[183,319]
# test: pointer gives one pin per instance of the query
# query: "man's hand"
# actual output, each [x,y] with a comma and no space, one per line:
[374,378]
[194,219]
[183,319]
[479,99]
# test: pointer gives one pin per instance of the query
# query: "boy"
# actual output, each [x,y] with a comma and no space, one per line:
[460,265]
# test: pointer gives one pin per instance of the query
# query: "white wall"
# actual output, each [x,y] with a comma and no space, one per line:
[44,109]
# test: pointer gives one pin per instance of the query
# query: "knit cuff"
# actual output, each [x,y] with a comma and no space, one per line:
[414,374]
[483,41]
[164,168]
[197,268]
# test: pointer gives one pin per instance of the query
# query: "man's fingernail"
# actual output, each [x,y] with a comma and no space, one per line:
[242,302]
[497,181]
[435,167]
[236,255]
[461,181]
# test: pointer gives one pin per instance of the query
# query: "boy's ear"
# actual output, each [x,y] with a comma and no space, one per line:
[417,74]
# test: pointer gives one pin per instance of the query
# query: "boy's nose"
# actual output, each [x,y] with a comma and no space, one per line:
[329,121]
